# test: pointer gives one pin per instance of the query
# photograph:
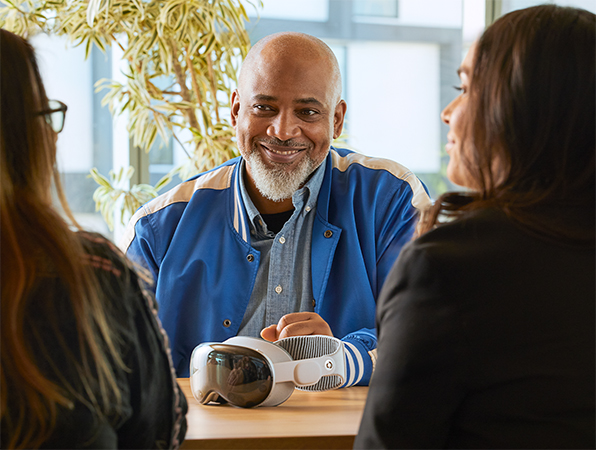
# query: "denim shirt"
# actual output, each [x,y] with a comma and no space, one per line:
[284,279]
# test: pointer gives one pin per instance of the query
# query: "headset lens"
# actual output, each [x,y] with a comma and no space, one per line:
[238,374]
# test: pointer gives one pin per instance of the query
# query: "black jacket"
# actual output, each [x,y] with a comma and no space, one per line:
[153,409]
[486,340]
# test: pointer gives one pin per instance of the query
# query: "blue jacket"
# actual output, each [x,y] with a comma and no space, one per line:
[195,241]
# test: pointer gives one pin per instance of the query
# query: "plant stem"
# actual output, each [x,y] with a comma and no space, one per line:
[213,88]
[117,42]
[194,82]
[184,92]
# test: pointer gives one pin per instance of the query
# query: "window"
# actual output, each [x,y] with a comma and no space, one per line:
[376,8]
[87,138]
[398,60]
[511,5]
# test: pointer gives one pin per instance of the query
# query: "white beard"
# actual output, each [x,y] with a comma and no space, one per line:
[276,183]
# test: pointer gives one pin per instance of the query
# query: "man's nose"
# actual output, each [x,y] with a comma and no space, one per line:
[284,126]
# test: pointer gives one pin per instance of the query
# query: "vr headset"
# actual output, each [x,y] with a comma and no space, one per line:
[248,372]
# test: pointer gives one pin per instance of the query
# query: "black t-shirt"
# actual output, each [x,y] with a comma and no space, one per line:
[275,222]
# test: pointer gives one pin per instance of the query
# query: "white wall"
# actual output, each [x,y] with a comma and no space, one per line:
[424,13]
[393,107]
[315,10]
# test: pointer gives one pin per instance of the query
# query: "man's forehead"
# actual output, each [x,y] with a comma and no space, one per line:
[319,95]
[294,62]
[298,100]
[297,82]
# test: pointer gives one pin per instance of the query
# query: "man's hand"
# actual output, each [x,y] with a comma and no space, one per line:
[296,324]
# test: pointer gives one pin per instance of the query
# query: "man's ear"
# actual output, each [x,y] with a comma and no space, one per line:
[235,109]
[338,118]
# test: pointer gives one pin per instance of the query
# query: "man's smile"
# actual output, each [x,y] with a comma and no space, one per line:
[280,153]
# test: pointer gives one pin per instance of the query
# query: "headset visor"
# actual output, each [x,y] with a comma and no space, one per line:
[242,376]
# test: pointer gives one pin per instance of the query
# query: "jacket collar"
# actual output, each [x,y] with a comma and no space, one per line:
[240,218]
[325,192]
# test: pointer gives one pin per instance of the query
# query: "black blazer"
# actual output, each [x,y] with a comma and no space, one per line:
[486,340]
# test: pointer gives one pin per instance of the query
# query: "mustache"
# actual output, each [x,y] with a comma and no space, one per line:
[290,143]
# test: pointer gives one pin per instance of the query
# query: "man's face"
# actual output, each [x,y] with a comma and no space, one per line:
[286,113]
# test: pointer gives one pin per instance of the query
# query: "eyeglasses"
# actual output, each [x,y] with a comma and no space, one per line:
[249,372]
[55,114]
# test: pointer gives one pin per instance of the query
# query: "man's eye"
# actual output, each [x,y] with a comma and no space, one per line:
[309,112]
[263,107]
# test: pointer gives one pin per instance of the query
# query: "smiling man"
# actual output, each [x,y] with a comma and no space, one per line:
[294,237]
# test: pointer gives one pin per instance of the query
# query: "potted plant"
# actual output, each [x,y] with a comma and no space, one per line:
[183,57]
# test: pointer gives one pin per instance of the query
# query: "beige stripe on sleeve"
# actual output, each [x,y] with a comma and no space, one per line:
[218,179]
[420,199]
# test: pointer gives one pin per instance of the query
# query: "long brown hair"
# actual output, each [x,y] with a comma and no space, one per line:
[37,242]
[532,108]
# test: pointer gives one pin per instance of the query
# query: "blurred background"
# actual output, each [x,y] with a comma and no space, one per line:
[398,60]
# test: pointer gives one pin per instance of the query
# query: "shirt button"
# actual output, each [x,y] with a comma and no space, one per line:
[278,289]
[328,234]
[307,209]
[227,323]
[250,258]
[282,240]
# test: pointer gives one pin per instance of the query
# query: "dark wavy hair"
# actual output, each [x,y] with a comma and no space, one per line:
[38,244]
[532,108]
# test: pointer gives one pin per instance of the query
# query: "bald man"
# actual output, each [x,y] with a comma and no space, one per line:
[294,237]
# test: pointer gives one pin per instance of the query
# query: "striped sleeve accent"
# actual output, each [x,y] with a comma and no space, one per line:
[218,179]
[354,365]
[361,355]
[420,198]
[373,358]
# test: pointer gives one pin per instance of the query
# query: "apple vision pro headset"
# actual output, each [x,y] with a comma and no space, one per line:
[249,372]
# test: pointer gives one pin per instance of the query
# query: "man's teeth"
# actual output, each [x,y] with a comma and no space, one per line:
[287,152]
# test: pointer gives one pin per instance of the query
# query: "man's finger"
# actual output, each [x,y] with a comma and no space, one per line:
[291,318]
[270,333]
[305,328]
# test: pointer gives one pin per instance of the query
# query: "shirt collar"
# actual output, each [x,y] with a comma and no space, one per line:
[305,197]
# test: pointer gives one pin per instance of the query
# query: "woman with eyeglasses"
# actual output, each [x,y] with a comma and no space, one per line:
[486,322]
[84,361]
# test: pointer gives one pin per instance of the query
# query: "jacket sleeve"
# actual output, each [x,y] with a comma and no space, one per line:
[361,354]
[397,221]
[397,226]
[140,245]
[420,374]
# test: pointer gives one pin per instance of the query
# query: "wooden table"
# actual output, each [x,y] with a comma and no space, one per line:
[327,420]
